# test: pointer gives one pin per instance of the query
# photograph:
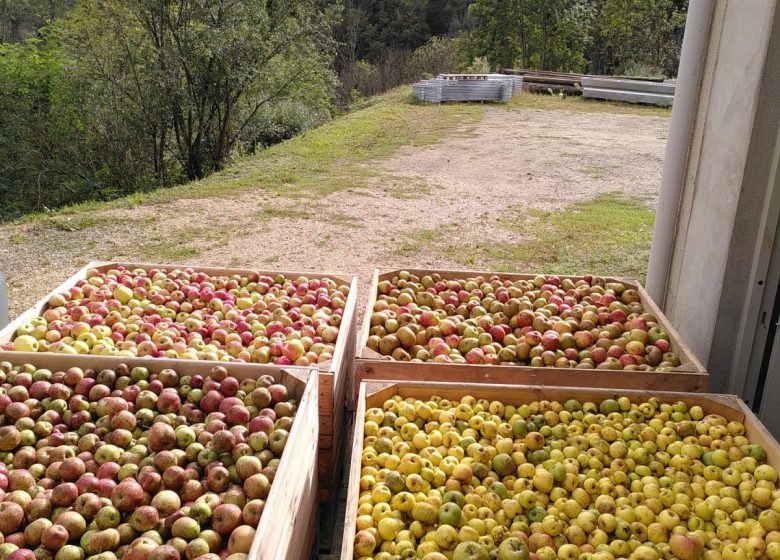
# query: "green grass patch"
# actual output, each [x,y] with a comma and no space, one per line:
[582,105]
[408,190]
[421,240]
[182,243]
[75,223]
[609,235]
[343,220]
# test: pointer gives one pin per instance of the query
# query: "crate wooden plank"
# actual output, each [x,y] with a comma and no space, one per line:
[690,376]
[373,394]
[335,374]
[3,301]
[286,532]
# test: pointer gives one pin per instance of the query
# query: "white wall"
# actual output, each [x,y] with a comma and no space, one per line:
[721,156]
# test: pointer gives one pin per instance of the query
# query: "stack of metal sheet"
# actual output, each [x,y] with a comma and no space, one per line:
[632,91]
[468,87]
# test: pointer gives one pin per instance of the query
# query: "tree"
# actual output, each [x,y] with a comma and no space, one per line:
[641,35]
[44,157]
[544,34]
[602,36]
[22,18]
[195,73]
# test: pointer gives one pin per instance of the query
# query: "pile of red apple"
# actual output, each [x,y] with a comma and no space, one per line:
[544,322]
[185,314]
[124,464]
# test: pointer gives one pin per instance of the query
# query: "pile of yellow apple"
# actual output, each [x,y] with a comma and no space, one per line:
[478,480]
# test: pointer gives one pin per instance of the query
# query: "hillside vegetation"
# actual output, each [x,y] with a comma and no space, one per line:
[104,98]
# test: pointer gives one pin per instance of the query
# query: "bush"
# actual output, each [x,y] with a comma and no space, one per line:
[437,56]
[281,121]
[479,65]
[398,67]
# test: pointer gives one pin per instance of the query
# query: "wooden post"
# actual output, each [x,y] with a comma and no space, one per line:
[3,302]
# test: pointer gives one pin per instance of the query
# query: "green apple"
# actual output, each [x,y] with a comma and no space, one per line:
[450,514]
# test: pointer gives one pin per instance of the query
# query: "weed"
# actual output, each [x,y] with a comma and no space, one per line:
[609,234]
[595,171]
[582,105]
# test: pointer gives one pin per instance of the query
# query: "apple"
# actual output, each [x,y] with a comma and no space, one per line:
[470,551]
[225,518]
[55,537]
[11,517]
[127,495]
[240,540]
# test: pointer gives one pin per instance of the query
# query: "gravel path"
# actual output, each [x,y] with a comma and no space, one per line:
[537,159]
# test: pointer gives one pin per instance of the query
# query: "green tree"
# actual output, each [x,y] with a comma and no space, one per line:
[44,156]
[544,34]
[640,35]
[20,19]
[194,74]
[398,25]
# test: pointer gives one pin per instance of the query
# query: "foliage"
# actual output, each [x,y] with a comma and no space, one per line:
[479,65]
[206,67]
[20,19]
[399,67]
[434,57]
[599,36]
[128,95]
[640,33]
[41,159]
[542,34]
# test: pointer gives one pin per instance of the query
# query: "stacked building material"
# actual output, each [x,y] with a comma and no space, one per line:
[468,87]
[631,91]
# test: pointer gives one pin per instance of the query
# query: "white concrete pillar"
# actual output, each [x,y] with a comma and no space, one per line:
[722,189]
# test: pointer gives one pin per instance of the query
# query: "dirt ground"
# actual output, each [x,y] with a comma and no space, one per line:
[537,159]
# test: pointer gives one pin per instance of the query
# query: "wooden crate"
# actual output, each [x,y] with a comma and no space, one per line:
[287,531]
[689,376]
[335,375]
[373,394]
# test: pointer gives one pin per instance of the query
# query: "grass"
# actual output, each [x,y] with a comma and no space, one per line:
[408,189]
[414,242]
[75,223]
[583,105]
[284,212]
[595,171]
[319,214]
[608,234]
[344,220]
[182,243]
[422,240]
